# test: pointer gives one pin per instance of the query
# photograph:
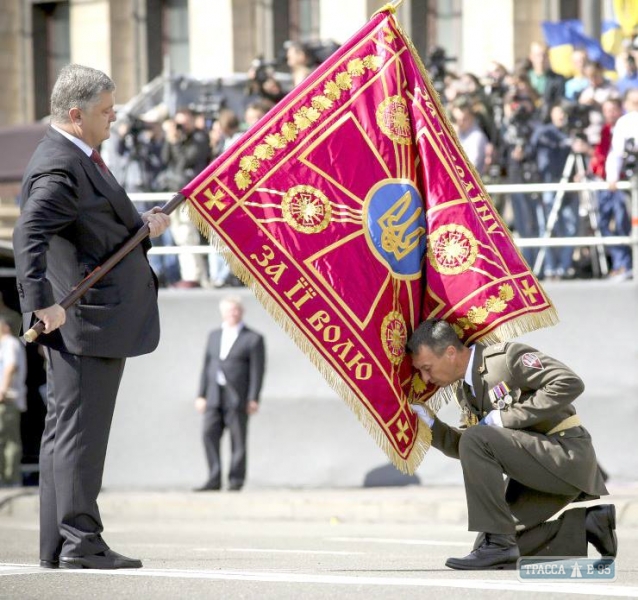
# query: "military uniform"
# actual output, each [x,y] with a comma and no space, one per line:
[546,454]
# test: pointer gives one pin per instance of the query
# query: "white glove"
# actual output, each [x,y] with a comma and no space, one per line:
[493,418]
[423,414]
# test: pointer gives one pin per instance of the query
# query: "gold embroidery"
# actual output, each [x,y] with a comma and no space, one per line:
[306,116]
[452,249]
[356,67]
[393,120]
[394,239]
[530,291]
[248,163]
[401,435]
[264,152]
[394,336]
[242,179]
[289,131]
[214,200]
[322,103]
[478,315]
[276,140]
[306,209]
[389,35]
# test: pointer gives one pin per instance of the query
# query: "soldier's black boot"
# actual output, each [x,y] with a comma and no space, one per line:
[600,524]
[498,551]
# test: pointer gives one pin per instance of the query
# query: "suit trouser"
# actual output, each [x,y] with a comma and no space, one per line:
[227,414]
[81,392]
[533,495]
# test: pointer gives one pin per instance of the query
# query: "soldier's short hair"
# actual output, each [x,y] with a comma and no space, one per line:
[436,334]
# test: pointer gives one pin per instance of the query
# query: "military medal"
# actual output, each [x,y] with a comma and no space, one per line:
[500,396]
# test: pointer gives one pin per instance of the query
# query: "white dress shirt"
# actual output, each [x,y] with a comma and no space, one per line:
[229,337]
[625,129]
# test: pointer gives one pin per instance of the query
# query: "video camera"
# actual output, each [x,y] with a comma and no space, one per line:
[435,64]
[577,119]
[630,158]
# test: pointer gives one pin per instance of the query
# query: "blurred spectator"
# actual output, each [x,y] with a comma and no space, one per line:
[13,402]
[612,204]
[629,81]
[624,143]
[255,111]
[519,122]
[549,85]
[598,88]
[552,145]
[577,83]
[140,144]
[299,61]
[224,131]
[186,152]
[472,138]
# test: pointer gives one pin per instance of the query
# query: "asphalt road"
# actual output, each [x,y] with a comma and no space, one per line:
[352,554]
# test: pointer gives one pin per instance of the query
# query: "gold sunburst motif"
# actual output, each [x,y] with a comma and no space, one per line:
[452,249]
[394,335]
[394,121]
[306,209]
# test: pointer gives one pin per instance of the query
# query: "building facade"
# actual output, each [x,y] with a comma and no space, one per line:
[136,40]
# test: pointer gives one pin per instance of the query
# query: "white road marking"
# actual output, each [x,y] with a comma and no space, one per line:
[399,541]
[586,589]
[280,551]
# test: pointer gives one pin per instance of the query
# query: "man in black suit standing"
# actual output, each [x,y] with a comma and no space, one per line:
[229,391]
[74,216]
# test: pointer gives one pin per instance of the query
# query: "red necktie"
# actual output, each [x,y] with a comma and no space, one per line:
[97,159]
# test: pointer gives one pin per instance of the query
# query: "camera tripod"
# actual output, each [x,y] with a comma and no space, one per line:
[575,165]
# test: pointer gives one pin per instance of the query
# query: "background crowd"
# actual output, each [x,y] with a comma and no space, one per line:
[528,125]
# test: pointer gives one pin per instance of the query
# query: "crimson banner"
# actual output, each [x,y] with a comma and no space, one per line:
[352,212]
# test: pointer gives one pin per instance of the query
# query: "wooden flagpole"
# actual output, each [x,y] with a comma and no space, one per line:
[94,276]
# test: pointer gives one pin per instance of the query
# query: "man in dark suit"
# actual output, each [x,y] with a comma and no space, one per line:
[231,381]
[74,216]
[518,421]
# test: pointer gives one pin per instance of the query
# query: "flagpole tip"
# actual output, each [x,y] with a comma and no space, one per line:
[390,7]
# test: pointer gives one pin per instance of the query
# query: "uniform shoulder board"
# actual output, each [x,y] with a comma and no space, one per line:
[497,348]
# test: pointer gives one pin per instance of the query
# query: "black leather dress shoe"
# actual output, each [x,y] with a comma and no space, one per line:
[498,551]
[49,564]
[235,487]
[208,487]
[109,559]
[600,524]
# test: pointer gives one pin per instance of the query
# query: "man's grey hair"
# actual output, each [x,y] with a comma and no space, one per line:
[234,300]
[436,334]
[77,86]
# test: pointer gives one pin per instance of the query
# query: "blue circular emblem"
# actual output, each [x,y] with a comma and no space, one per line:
[395,224]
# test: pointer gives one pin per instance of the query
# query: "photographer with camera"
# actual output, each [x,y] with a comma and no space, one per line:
[612,205]
[140,144]
[549,85]
[519,122]
[472,137]
[622,160]
[552,143]
[186,152]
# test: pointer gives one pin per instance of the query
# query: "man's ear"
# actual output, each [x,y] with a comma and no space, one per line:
[75,114]
[450,352]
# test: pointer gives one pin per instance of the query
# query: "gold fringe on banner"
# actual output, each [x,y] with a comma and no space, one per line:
[423,439]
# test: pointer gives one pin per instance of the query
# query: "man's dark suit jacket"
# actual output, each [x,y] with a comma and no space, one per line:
[72,220]
[243,367]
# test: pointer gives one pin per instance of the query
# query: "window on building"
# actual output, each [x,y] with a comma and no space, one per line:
[175,44]
[51,49]
[304,20]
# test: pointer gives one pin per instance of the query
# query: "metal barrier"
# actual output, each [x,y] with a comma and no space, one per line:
[499,189]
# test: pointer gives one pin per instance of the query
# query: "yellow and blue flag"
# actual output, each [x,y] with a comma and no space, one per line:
[563,37]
